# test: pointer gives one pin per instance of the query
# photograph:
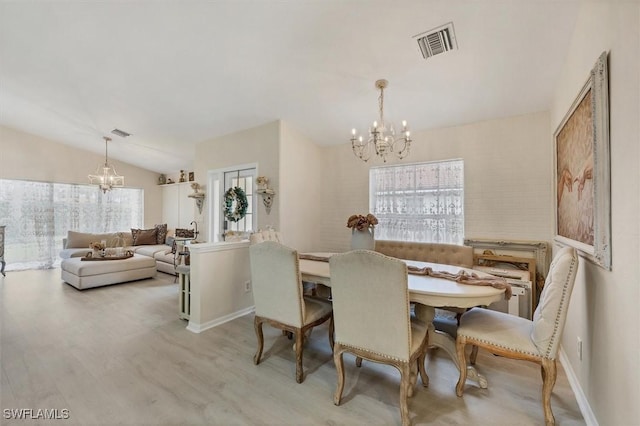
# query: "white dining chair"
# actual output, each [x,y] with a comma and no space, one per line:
[372,319]
[279,300]
[520,338]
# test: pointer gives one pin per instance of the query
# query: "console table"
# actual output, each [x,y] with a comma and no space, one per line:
[2,250]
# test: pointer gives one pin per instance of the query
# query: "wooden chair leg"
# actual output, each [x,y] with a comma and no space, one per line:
[405,390]
[474,355]
[421,368]
[461,343]
[299,346]
[339,362]
[549,373]
[257,325]
[358,362]
[331,333]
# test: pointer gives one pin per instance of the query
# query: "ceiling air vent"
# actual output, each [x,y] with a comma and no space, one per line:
[120,133]
[436,41]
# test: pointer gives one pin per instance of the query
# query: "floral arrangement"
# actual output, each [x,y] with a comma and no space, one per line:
[97,246]
[360,222]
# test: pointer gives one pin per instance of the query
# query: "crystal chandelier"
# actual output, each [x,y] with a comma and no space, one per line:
[106,176]
[382,135]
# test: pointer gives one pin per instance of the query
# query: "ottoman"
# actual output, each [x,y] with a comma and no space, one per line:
[87,274]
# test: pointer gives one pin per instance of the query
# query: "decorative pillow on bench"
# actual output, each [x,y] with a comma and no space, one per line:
[144,236]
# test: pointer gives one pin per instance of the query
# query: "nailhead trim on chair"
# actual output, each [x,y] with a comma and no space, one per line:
[372,352]
[563,300]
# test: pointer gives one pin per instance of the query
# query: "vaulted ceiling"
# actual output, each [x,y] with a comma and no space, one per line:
[176,73]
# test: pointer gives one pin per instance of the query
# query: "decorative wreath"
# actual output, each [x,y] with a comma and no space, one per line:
[236,213]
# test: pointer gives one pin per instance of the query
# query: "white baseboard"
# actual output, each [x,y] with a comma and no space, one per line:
[583,403]
[199,328]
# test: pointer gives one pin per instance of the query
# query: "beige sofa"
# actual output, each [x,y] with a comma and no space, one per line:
[77,245]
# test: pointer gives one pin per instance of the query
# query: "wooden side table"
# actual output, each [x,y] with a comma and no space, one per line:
[2,250]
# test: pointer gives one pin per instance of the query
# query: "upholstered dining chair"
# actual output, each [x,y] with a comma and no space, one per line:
[372,319]
[278,298]
[519,338]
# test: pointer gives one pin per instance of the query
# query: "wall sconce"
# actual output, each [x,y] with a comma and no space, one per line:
[266,192]
[198,196]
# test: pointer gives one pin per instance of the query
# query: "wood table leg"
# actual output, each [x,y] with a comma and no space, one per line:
[446,342]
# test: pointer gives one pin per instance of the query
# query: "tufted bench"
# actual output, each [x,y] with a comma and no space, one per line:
[448,254]
[88,274]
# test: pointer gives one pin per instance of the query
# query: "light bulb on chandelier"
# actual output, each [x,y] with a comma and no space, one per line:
[382,136]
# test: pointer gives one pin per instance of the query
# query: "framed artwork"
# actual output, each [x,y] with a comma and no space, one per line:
[582,169]
[191,177]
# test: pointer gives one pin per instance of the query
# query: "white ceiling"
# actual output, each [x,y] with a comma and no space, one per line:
[176,73]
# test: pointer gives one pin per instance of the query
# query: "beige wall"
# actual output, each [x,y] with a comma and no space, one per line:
[259,145]
[508,177]
[301,181]
[30,157]
[604,307]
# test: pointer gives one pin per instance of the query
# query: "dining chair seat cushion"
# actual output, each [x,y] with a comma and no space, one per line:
[499,329]
[316,308]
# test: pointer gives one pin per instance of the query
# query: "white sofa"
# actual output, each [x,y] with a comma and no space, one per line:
[77,245]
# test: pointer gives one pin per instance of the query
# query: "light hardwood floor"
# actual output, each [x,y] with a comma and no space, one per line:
[120,355]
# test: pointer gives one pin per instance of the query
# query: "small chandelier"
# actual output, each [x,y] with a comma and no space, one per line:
[106,176]
[382,135]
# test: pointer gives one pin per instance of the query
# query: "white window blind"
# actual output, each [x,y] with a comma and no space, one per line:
[38,215]
[421,202]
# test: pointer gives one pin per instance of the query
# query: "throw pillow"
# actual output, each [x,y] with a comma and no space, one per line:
[144,236]
[185,233]
[161,233]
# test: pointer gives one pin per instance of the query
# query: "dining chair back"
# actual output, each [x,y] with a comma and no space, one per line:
[514,337]
[266,235]
[372,318]
[275,277]
[278,298]
[551,313]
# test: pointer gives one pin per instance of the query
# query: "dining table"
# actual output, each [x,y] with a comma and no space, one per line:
[428,293]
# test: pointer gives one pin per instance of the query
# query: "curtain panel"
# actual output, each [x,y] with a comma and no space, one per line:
[421,202]
[38,215]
